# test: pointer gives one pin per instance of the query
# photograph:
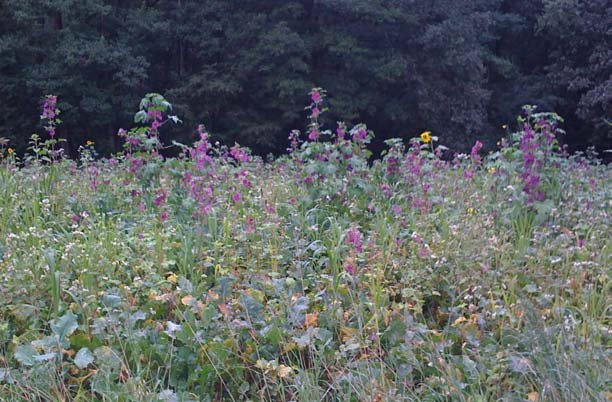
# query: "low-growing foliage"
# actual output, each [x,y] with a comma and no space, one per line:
[320,275]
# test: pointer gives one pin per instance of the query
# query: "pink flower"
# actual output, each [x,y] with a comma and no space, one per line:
[205,209]
[360,134]
[353,237]
[475,149]
[350,269]
[386,189]
[423,252]
[133,141]
[160,198]
[250,227]
[315,96]
[294,139]
[236,197]
[270,209]
[239,154]
[313,135]
[340,133]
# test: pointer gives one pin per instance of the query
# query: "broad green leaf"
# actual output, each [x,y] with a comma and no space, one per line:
[83,358]
[26,355]
[65,325]
[107,358]
[140,117]
[111,300]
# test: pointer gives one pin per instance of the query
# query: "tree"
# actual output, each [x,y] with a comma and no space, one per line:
[580,64]
[459,68]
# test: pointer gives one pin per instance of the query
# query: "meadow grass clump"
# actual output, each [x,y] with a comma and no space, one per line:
[316,276]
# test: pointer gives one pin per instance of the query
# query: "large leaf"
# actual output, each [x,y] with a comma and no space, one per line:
[26,355]
[65,325]
[83,358]
[111,300]
[253,308]
[107,358]
[5,376]
[140,117]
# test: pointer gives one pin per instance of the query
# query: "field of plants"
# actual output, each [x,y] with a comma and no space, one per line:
[320,275]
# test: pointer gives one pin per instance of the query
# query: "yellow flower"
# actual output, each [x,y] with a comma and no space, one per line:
[492,170]
[89,142]
[172,278]
[10,151]
[426,136]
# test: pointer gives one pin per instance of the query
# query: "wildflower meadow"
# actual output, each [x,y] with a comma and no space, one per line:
[320,275]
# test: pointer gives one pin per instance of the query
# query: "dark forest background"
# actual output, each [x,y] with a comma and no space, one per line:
[459,68]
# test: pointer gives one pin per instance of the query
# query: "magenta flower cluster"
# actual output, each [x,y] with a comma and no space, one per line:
[531,165]
[353,237]
[200,182]
[156,117]
[316,98]
[50,113]
[476,159]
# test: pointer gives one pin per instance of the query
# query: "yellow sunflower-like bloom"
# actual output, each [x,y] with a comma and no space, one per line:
[426,136]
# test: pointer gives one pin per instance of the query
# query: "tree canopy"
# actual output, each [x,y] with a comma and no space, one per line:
[459,68]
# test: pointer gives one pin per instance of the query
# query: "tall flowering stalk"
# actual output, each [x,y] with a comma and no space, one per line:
[393,156]
[200,180]
[145,138]
[531,166]
[316,108]
[199,152]
[353,238]
[49,116]
[537,144]
[333,157]
[294,141]
[476,159]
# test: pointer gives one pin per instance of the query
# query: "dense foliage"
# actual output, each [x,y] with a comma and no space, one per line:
[315,277]
[460,68]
